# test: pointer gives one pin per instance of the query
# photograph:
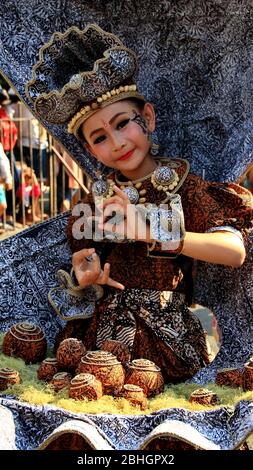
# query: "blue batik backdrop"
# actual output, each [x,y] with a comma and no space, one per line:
[196,66]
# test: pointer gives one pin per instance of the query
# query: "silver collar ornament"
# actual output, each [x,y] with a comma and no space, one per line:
[164,179]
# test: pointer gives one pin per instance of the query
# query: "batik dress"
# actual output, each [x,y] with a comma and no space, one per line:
[152,316]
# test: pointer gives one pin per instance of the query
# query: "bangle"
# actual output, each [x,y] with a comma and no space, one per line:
[74,286]
[156,250]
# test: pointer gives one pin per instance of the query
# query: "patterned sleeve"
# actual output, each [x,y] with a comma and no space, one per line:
[216,206]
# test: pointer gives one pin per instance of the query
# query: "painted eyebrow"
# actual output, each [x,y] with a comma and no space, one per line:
[110,122]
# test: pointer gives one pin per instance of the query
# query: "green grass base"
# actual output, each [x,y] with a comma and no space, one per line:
[37,392]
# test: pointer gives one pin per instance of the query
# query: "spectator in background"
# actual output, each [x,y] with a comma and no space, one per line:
[8,129]
[5,179]
[33,139]
[12,108]
[28,193]
[8,138]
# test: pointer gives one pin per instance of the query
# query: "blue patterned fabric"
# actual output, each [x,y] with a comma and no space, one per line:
[28,268]
[227,428]
[195,60]
[196,65]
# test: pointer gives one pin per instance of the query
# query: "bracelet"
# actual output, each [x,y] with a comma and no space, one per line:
[155,250]
[72,284]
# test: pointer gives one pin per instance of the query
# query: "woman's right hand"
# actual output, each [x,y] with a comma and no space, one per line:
[87,268]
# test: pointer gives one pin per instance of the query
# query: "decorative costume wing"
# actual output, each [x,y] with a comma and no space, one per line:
[197,68]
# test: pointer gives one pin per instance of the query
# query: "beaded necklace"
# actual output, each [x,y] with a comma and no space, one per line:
[162,178]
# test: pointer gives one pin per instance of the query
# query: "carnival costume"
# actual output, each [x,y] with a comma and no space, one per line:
[151,316]
[189,71]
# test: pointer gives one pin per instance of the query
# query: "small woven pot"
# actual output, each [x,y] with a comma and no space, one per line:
[60,381]
[203,396]
[47,369]
[8,377]
[248,376]
[26,341]
[106,368]
[230,377]
[120,350]
[147,375]
[69,353]
[135,395]
[85,386]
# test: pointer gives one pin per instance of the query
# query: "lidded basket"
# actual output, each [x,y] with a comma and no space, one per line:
[106,368]
[230,377]
[135,395]
[203,396]
[47,369]
[248,375]
[147,375]
[85,386]
[69,353]
[27,341]
[119,349]
[61,380]
[8,377]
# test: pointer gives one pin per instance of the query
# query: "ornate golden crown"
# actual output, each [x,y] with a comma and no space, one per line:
[79,71]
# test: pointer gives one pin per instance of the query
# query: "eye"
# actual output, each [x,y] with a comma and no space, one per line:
[122,124]
[99,139]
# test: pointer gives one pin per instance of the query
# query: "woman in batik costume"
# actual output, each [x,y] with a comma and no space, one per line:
[142,270]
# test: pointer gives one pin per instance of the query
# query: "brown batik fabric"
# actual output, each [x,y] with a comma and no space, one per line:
[130,260]
[209,205]
[164,331]
[206,206]
[170,335]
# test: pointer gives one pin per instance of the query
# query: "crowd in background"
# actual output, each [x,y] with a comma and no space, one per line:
[25,171]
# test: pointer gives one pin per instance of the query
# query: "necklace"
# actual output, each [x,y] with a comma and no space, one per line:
[137,181]
[132,188]
[162,178]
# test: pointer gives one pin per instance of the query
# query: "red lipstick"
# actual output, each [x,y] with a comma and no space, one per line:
[127,155]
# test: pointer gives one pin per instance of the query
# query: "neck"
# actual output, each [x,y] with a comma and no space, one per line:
[147,166]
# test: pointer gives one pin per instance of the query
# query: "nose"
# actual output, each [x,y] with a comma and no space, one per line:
[117,143]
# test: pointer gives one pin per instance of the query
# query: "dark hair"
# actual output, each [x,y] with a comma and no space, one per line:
[138,103]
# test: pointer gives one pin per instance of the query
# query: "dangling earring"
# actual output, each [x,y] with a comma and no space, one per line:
[154,148]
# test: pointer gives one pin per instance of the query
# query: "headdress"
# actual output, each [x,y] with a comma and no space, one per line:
[78,72]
